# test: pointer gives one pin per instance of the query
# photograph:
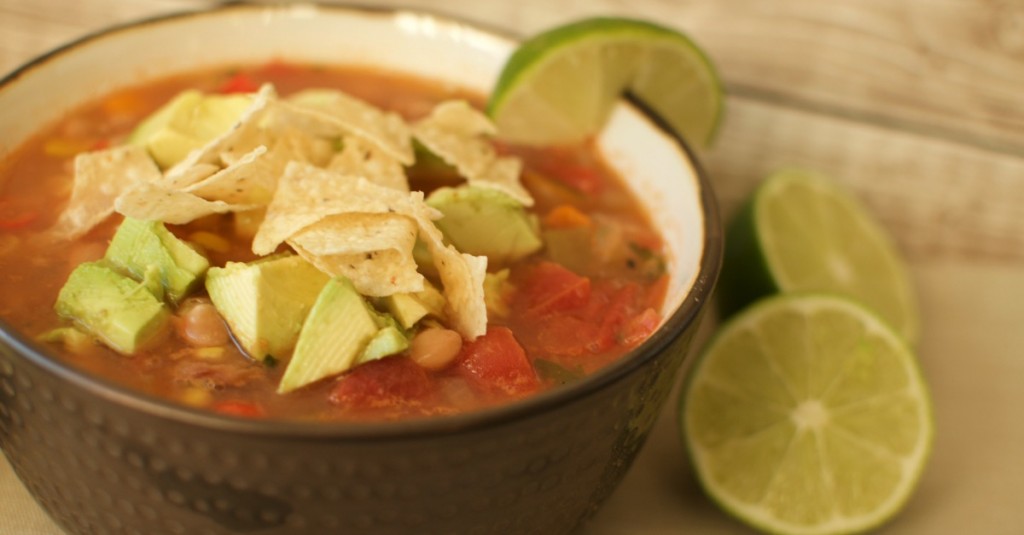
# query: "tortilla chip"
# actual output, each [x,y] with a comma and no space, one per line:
[355,233]
[455,132]
[306,194]
[463,278]
[148,201]
[299,146]
[458,117]
[100,177]
[360,158]
[462,275]
[250,180]
[373,250]
[503,175]
[331,113]
[243,137]
[184,178]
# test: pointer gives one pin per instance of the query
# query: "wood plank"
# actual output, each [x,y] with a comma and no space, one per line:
[940,199]
[29,28]
[944,68]
[947,68]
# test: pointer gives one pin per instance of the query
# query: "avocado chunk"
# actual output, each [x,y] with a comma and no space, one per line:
[388,341]
[409,308]
[189,121]
[147,250]
[486,222]
[122,313]
[334,336]
[265,302]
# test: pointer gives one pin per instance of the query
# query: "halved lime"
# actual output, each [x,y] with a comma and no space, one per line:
[560,86]
[807,414]
[801,232]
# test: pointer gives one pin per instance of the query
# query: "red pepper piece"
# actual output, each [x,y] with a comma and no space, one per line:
[239,83]
[243,409]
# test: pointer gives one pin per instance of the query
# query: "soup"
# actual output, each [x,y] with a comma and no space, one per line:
[423,287]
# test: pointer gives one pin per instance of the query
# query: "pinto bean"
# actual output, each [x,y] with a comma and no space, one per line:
[201,325]
[435,348]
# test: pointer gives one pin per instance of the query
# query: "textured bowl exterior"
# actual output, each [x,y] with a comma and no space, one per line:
[102,460]
[99,466]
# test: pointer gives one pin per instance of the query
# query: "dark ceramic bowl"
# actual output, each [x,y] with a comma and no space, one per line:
[104,460]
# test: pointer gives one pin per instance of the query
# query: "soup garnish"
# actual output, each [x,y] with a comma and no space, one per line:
[325,244]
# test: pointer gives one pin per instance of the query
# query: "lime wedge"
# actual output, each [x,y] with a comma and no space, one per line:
[802,232]
[807,414]
[560,86]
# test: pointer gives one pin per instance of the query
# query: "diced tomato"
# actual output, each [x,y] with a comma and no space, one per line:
[239,83]
[100,144]
[392,383]
[568,336]
[608,319]
[549,288]
[495,364]
[619,309]
[639,327]
[244,409]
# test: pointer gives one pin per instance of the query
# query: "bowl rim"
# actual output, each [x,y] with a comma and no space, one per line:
[684,317]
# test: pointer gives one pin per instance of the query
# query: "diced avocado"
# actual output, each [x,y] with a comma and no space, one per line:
[187,122]
[334,335]
[409,308]
[265,302]
[430,171]
[140,247]
[73,339]
[571,247]
[119,311]
[424,260]
[487,222]
[182,104]
[388,341]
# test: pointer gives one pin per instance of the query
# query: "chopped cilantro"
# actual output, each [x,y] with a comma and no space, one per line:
[552,372]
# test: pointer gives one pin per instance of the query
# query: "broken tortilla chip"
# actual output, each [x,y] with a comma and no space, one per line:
[100,178]
[306,194]
[373,250]
[244,136]
[360,158]
[150,202]
[455,131]
[462,275]
[249,180]
[252,178]
[331,113]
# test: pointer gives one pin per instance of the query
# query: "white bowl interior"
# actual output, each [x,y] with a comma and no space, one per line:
[657,169]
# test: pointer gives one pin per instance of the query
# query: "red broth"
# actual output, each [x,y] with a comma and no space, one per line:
[582,302]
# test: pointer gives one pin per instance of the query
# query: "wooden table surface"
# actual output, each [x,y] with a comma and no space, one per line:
[917,105]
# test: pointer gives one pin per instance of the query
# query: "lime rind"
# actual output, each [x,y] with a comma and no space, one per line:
[807,303]
[612,36]
[765,254]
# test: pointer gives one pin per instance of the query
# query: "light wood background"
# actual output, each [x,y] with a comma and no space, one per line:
[917,105]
